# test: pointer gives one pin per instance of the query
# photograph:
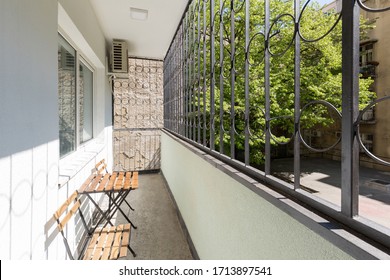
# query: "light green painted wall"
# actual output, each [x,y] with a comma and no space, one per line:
[226,220]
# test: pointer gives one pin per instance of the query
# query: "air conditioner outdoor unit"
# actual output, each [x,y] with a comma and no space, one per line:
[119,57]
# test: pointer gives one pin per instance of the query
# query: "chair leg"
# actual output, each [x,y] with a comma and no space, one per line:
[117,205]
[131,250]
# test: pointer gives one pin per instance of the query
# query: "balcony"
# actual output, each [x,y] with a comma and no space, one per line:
[210,187]
[369,70]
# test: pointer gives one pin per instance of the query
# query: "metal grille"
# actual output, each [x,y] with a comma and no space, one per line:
[220,92]
[138,110]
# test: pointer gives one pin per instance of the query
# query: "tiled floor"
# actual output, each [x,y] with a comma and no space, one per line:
[159,235]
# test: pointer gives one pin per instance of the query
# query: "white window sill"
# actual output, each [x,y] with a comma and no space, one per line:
[71,164]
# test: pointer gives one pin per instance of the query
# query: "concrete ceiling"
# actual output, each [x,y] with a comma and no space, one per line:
[150,38]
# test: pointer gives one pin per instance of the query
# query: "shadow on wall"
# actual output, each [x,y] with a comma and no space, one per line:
[75,232]
[155,162]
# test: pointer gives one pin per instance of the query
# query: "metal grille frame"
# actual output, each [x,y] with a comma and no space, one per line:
[192,110]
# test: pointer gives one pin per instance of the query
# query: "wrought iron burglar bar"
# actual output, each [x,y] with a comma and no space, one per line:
[225,95]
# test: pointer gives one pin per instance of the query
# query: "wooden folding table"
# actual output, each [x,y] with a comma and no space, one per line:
[116,186]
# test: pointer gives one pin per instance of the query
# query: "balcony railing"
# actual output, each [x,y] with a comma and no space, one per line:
[369,70]
[243,76]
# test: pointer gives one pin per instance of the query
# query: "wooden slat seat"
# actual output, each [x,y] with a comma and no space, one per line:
[115,182]
[108,243]
[101,181]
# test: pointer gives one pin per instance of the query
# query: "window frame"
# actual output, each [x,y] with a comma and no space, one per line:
[366,53]
[82,60]
[79,58]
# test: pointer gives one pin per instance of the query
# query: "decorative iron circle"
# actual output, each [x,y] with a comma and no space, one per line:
[248,55]
[221,125]
[329,106]
[239,7]
[368,9]
[251,134]
[358,122]
[270,35]
[321,36]
[273,136]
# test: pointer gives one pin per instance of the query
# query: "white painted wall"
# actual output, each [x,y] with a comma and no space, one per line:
[227,220]
[28,125]
[30,167]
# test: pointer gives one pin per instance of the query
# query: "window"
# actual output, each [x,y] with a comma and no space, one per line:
[75,95]
[366,54]
[86,102]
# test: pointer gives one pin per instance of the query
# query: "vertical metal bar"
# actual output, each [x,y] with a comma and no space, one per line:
[232,79]
[168,88]
[350,109]
[176,95]
[204,74]
[193,83]
[205,71]
[173,61]
[297,101]
[186,80]
[247,40]
[172,88]
[182,71]
[166,93]
[178,86]
[267,163]
[173,83]
[177,71]
[212,72]
[221,78]
[182,81]
[190,82]
[199,88]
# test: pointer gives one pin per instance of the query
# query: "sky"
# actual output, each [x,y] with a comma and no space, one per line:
[323,2]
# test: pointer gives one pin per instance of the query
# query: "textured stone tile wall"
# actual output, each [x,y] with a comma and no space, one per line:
[138,116]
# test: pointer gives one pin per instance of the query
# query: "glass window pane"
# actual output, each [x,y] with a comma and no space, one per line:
[66,96]
[85,103]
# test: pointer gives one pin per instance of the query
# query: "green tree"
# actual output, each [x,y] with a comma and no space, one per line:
[320,69]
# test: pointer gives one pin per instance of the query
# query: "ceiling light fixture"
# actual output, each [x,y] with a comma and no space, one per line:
[138,14]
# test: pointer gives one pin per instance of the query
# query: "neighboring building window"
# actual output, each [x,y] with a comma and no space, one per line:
[366,54]
[366,60]
[75,96]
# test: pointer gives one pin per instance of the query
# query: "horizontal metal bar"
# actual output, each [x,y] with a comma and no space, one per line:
[138,129]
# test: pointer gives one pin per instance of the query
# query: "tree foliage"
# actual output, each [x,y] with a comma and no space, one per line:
[320,69]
